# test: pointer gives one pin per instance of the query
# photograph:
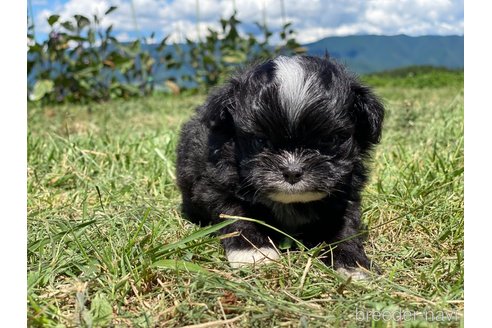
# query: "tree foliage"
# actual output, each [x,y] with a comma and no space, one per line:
[82,62]
[224,49]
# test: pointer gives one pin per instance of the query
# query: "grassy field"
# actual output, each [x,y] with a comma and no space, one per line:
[107,245]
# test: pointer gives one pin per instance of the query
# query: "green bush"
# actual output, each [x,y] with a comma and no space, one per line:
[225,49]
[82,62]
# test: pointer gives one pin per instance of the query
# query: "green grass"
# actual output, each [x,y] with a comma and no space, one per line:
[418,77]
[107,245]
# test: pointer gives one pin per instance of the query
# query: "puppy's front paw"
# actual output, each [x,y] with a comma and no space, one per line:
[241,257]
[354,273]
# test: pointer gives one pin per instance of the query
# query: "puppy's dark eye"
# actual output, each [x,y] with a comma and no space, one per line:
[328,141]
[260,143]
[333,140]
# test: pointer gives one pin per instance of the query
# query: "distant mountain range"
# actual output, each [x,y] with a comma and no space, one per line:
[374,53]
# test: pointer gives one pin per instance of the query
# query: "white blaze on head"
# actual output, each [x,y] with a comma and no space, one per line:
[295,85]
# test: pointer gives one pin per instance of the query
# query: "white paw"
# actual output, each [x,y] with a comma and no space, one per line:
[354,273]
[241,257]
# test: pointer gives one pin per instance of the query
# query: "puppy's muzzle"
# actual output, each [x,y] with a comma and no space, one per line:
[293,173]
[293,188]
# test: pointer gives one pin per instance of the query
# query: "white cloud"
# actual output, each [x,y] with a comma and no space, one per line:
[124,37]
[312,19]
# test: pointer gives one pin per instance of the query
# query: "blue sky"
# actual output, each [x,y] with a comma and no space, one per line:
[312,20]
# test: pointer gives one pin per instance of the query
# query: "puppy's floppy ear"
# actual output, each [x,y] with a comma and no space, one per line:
[368,113]
[219,107]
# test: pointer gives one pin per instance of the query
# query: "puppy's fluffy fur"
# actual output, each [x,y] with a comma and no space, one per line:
[285,142]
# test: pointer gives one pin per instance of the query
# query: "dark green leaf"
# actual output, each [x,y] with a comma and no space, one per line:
[91,37]
[110,10]
[76,38]
[68,25]
[109,29]
[53,19]
[82,21]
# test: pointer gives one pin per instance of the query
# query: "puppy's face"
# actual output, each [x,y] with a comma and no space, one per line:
[297,127]
[291,170]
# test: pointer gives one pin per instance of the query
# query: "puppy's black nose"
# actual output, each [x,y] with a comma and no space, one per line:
[292,174]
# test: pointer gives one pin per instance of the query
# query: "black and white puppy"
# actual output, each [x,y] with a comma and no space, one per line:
[284,142]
